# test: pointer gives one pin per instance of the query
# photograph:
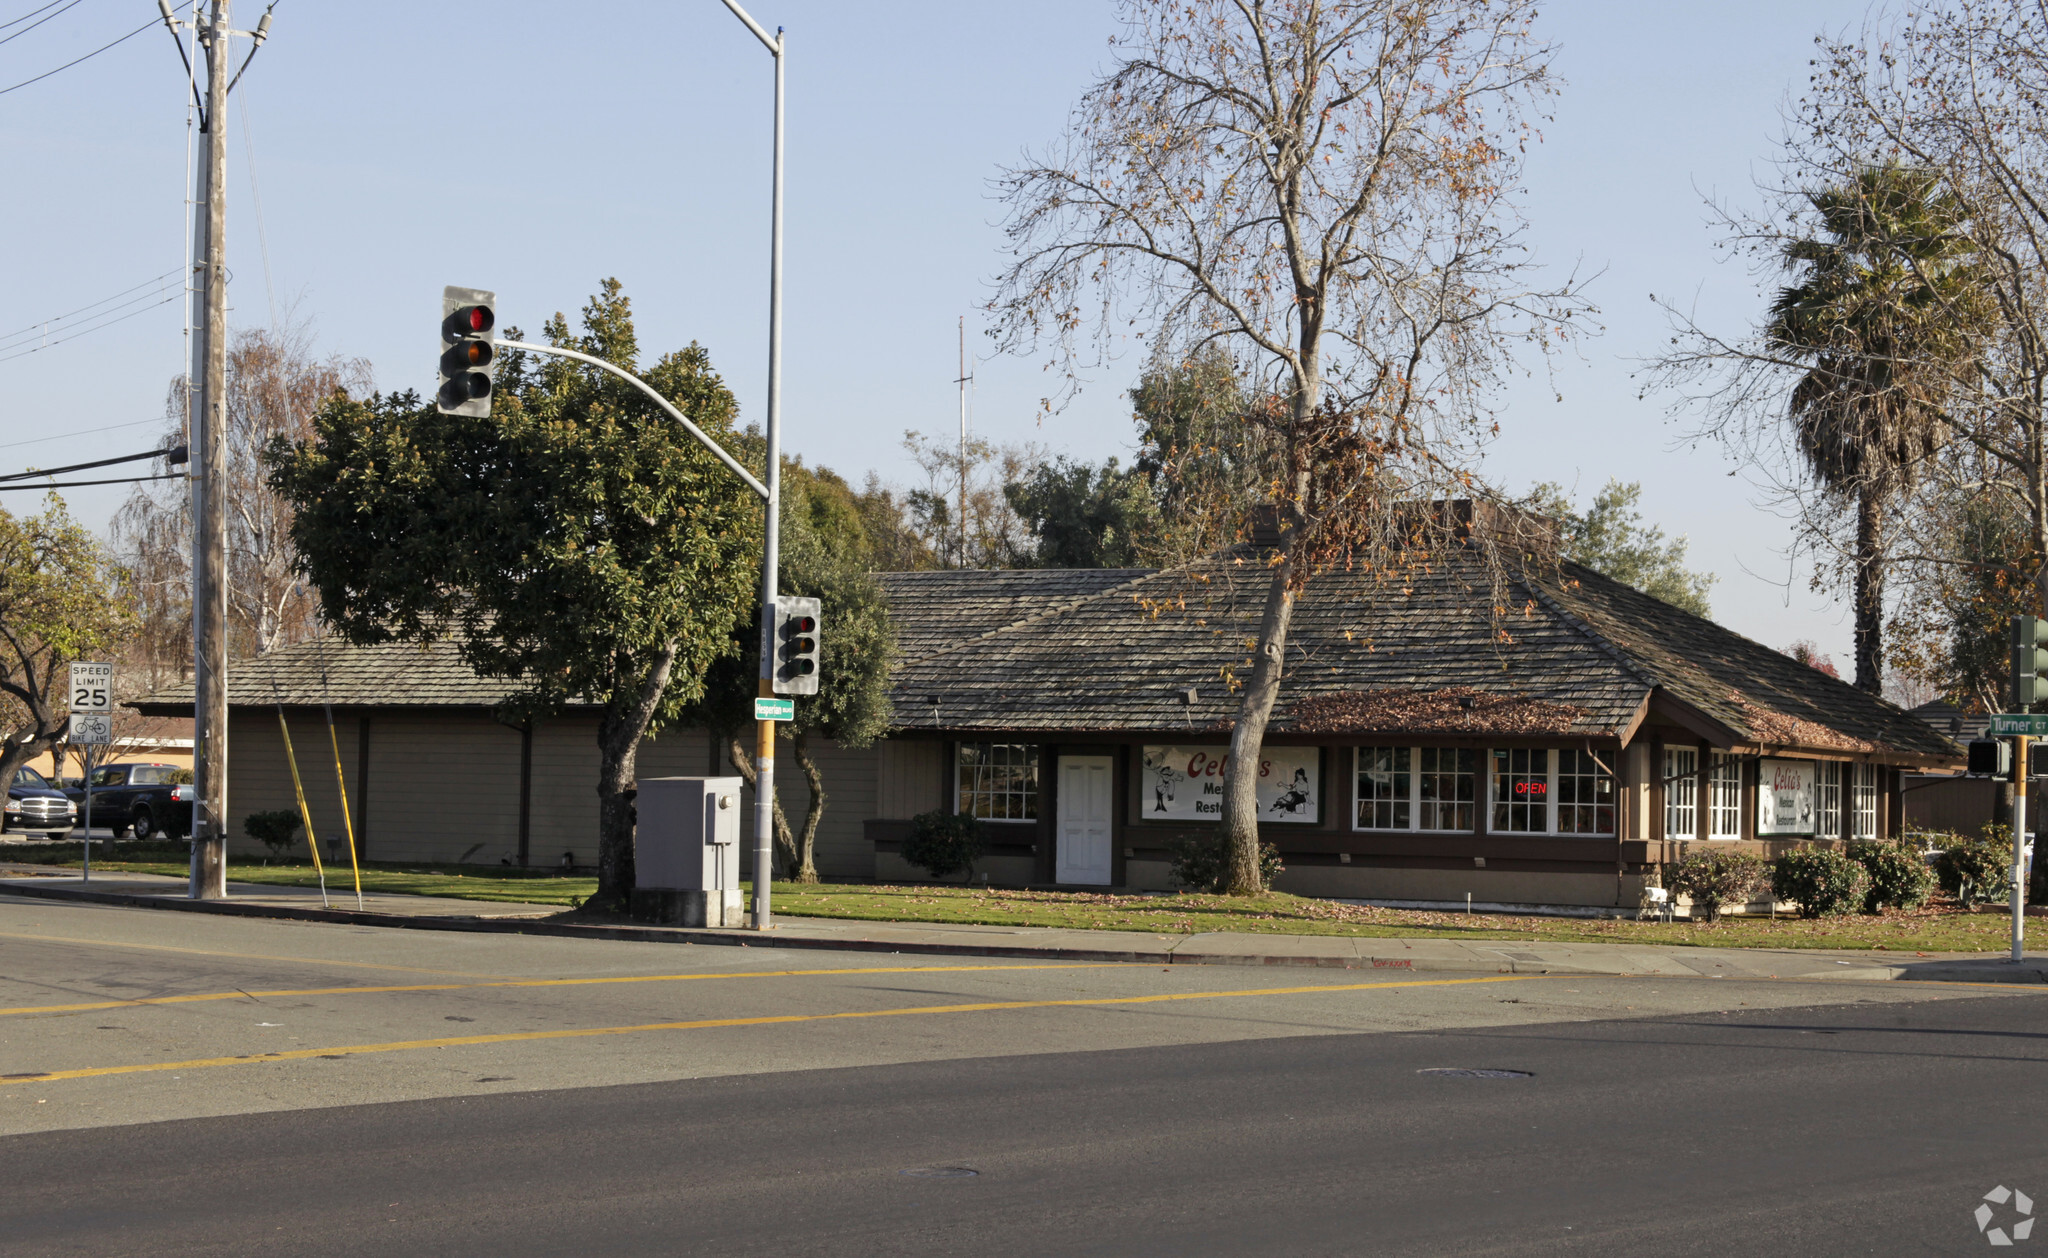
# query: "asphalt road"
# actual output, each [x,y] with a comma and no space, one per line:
[176,1084]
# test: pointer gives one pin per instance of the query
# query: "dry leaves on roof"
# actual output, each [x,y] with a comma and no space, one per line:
[1450,710]
[1767,725]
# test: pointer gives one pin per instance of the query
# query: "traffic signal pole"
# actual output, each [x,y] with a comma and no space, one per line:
[2019,847]
[764,732]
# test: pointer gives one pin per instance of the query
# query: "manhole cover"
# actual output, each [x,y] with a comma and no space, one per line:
[940,1172]
[1466,1072]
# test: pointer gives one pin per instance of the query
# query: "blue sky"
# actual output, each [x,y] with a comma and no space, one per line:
[536,148]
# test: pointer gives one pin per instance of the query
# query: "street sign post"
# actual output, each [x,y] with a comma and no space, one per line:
[92,725]
[2018,725]
[775,709]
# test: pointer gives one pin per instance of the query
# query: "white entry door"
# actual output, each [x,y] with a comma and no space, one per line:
[1084,820]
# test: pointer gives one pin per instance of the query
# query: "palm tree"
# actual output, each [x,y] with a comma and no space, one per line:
[1873,319]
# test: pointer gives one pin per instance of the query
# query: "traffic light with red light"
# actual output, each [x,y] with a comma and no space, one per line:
[469,354]
[796,645]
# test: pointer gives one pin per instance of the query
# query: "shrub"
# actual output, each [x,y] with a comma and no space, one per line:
[1714,877]
[1821,882]
[273,829]
[1899,878]
[1198,863]
[1974,870]
[941,843]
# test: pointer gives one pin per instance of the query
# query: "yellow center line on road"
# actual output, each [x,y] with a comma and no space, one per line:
[239,956]
[461,1041]
[198,997]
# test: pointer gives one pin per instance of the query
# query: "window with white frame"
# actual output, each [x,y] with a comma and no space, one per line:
[1416,788]
[1863,801]
[1446,786]
[1681,792]
[1827,799]
[1385,789]
[1537,791]
[1521,790]
[997,781]
[1724,797]
[1585,793]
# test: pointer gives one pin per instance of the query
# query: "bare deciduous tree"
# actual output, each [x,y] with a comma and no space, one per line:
[275,385]
[1325,188]
[1958,94]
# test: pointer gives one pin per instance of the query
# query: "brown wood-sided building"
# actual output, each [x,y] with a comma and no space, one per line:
[1544,737]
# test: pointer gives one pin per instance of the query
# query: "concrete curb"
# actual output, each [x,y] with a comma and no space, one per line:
[1970,970]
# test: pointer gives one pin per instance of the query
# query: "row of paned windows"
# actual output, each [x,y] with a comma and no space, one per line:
[1534,790]
[1832,780]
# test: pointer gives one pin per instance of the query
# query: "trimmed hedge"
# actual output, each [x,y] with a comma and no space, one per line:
[1899,878]
[1198,863]
[1716,877]
[1977,870]
[941,843]
[1821,882]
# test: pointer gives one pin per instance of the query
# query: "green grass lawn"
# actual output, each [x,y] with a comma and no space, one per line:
[1938,928]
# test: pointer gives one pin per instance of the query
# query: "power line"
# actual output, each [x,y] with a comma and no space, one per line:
[174,455]
[16,21]
[34,327]
[72,335]
[67,436]
[32,25]
[118,480]
[87,57]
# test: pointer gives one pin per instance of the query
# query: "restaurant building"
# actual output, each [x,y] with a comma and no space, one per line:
[1531,734]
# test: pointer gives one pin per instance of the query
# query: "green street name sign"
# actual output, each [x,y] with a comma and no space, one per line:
[2008,724]
[775,709]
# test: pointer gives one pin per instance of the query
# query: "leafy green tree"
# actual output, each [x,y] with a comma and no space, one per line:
[576,539]
[1207,467]
[1873,315]
[1609,536]
[1085,517]
[827,555]
[58,603]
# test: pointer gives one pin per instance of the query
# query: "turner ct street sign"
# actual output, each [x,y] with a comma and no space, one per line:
[2008,724]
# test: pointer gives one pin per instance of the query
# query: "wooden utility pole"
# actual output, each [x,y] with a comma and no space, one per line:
[209,517]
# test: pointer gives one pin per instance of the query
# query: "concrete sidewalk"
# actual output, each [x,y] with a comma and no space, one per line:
[945,939]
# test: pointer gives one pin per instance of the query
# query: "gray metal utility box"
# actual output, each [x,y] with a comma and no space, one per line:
[686,852]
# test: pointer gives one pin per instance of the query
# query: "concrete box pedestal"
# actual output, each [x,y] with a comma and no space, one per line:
[668,907]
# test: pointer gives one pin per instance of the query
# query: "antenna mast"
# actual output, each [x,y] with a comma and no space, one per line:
[963,381]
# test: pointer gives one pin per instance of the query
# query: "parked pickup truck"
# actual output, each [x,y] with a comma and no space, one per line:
[146,799]
[33,804]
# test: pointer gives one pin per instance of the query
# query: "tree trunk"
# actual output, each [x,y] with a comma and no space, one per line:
[618,755]
[1247,737]
[785,846]
[807,840]
[1869,594]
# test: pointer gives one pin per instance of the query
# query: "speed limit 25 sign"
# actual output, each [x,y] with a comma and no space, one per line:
[92,687]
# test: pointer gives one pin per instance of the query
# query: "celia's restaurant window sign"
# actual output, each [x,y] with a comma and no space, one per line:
[1784,797]
[1184,783]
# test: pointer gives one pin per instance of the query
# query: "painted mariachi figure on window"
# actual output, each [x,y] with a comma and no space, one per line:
[1186,783]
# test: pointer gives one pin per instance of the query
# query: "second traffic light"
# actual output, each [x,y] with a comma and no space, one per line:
[796,645]
[469,358]
[2029,661]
